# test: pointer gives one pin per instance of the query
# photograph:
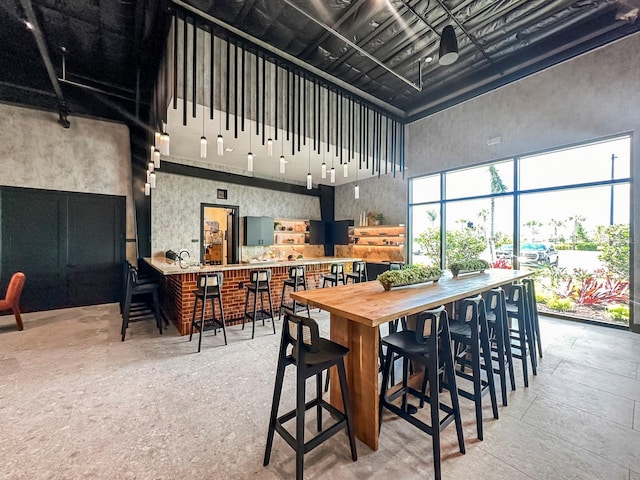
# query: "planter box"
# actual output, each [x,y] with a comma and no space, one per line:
[455,273]
[388,287]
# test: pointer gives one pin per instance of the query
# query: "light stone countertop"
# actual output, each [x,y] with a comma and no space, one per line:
[167,266]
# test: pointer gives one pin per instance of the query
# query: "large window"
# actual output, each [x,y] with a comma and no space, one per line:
[564,213]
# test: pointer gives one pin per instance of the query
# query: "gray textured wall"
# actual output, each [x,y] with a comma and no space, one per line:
[592,96]
[386,195]
[92,156]
[175,208]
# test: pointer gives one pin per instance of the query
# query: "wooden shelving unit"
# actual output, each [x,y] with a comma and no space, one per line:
[290,232]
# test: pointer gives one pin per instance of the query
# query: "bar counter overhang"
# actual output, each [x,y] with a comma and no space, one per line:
[177,285]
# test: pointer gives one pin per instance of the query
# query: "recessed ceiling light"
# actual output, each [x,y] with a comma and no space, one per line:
[428,59]
[228,149]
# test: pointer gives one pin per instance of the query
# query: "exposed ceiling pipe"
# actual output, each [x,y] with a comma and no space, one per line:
[352,44]
[292,59]
[63,110]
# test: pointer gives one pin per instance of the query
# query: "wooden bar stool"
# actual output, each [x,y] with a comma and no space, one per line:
[311,355]
[297,279]
[429,345]
[470,334]
[209,288]
[260,284]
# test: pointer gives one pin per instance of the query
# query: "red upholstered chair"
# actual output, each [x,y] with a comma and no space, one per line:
[12,300]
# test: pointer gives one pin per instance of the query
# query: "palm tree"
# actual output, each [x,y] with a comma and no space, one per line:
[497,186]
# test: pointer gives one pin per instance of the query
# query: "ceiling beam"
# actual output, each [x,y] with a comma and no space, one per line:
[46,59]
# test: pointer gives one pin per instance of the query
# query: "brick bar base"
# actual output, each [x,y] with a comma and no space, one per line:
[178,300]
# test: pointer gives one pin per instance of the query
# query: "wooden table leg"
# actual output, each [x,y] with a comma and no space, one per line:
[362,376]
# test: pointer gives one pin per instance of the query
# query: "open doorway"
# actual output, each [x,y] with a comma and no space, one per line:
[219,231]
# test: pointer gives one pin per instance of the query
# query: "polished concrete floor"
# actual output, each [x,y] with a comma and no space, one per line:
[76,403]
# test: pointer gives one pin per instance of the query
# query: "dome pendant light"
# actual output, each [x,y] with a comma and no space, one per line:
[448,46]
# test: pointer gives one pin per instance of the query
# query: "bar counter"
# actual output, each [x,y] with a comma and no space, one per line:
[177,285]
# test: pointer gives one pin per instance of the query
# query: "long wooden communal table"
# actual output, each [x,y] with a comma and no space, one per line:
[358,309]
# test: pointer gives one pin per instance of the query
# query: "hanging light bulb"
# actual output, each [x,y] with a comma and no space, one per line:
[250,161]
[324,170]
[156,158]
[269,147]
[152,179]
[345,169]
[164,143]
[282,164]
[147,189]
[333,175]
[309,181]
[356,191]
[220,145]
[203,147]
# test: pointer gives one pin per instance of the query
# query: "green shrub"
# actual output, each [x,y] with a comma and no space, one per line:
[563,246]
[615,249]
[408,275]
[619,312]
[587,246]
[560,304]
[542,298]
[469,264]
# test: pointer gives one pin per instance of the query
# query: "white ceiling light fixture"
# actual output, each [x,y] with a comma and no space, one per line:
[165,141]
[250,154]
[147,189]
[345,169]
[156,158]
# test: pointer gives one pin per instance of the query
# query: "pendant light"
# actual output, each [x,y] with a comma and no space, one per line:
[332,172]
[156,139]
[345,169]
[309,177]
[324,167]
[220,140]
[283,162]
[250,155]
[203,138]
[150,166]
[152,179]
[147,189]
[269,147]
[156,158]
[164,141]
[356,188]
[448,46]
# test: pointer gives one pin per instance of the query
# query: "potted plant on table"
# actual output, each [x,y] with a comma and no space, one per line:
[377,220]
[409,275]
[468,265]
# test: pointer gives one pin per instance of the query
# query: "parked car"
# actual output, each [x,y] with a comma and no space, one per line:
[538,254]
[504,251]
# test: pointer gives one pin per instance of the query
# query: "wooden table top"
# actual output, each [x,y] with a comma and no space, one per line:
[368,303]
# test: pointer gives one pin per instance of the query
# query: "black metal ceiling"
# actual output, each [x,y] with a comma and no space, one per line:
[109,41]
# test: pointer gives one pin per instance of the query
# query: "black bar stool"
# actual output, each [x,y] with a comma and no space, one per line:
[530,288]
[499,338]
[311,355]
[470,334]
[429,345]
[335,275]
[209,288]
[521,337]
[358,273]
[297,279]
[138,310]
[396,265]
[260,284]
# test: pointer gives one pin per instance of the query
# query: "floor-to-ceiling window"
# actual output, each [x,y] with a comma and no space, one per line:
[564,213]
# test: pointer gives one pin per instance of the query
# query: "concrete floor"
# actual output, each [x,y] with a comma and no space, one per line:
[76,402]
